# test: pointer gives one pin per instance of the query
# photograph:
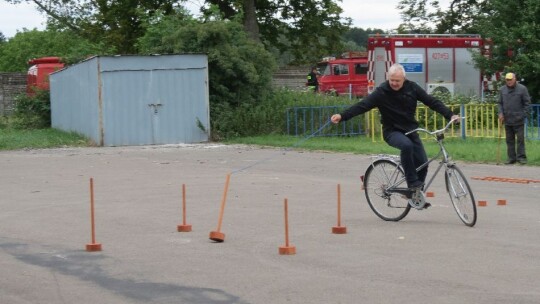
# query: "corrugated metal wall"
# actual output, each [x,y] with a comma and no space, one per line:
[134,100]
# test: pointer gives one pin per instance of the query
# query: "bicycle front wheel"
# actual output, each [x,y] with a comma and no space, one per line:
[461,195]
[379,176]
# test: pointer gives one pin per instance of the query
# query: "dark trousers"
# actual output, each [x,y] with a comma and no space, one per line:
[412,154]
[512,133]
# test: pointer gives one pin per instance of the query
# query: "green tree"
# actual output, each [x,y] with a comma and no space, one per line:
[360,36]
[427,16]
[308,29]
[28,44]
[240,69]
[117,24]
[511,26]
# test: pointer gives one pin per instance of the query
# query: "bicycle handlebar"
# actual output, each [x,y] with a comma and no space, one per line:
[436,131]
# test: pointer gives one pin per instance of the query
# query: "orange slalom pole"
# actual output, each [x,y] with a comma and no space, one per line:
[184,227]
[287,249]
[217,235]
[339,229]
[92,246]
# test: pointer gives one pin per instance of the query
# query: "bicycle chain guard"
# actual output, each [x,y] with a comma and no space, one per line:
[418,200]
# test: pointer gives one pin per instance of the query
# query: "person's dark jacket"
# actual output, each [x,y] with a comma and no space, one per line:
[514,104]
[312,79]
[397,108]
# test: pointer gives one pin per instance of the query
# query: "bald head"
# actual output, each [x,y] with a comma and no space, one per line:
[396,76]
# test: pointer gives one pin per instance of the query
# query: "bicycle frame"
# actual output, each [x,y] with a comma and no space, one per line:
[442,154]
[391,201]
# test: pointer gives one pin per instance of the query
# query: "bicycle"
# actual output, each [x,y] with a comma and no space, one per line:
[391,200]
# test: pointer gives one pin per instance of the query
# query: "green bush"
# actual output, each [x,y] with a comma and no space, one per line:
[4,122]
[267,116]
[32,112]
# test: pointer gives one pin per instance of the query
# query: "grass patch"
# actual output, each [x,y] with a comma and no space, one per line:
[476,150]
[13,139]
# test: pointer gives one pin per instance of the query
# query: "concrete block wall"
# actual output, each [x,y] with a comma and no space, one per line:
[293,78]
[11,85]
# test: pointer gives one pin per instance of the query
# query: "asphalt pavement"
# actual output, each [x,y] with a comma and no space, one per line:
[428,257]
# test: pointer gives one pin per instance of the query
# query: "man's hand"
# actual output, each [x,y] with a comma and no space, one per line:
[336,118]
[456,119]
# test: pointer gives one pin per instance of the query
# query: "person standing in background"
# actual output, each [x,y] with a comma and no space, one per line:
[312,81]
[514,105]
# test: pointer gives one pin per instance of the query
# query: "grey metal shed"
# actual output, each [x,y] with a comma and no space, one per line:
[134,100]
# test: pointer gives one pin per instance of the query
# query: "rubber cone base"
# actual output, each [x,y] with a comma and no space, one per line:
[217,236]
[287,250]
[183,228]
[93,247]
[339,230]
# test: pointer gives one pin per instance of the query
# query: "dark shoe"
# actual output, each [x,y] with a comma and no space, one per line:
[510,162]
[522,161]
[416,185]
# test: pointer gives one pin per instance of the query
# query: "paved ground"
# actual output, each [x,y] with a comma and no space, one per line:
[429,257]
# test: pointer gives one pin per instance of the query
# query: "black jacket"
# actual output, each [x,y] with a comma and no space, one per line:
[312,79]
[397,108]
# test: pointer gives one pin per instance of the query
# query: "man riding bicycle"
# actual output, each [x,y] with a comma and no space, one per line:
[397,100]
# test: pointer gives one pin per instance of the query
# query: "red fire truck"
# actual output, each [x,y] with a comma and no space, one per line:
[346,75]
[436,62]
[38,73]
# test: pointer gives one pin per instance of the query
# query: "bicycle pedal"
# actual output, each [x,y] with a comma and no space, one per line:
[418,200]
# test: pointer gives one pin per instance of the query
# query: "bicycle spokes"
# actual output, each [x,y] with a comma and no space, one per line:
[461,195]
[379,184]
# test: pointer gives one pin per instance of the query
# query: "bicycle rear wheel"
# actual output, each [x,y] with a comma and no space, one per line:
[461,195]
[386,205]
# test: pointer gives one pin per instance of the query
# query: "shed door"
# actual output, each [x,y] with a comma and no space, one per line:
[154,106]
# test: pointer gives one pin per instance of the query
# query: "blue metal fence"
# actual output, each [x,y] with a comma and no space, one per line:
[532,128]
[302,121]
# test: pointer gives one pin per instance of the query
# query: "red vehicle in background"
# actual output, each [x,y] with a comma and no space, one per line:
[38,73]
[437,62]
[346,75]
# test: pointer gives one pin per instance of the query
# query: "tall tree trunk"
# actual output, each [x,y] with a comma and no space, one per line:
[250,20]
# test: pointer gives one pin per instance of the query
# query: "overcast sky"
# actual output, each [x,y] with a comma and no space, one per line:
[380,14]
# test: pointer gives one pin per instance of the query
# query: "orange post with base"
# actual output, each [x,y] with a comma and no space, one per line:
[287,249]
[339,229]
[184,227]
[217,235]
[92,246]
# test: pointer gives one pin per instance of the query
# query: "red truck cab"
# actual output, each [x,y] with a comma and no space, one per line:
[38,73]
[345,75]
